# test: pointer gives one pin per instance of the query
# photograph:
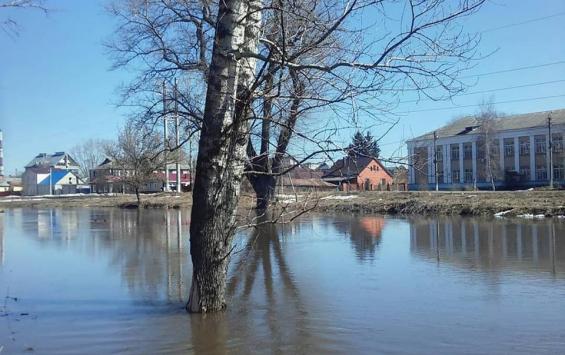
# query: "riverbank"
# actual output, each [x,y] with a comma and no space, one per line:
[476,203]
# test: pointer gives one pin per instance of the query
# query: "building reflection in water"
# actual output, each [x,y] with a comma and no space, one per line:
[148,247]
[364,233]
[491,244]
[52,224]
[1,238]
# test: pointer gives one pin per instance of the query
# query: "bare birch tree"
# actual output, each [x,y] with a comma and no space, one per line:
[487,119]
[270,69]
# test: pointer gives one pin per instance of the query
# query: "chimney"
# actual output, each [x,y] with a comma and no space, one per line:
[1,155]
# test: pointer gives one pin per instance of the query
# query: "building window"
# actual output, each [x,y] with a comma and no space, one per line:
[557,143]
[439,155]
[508,148]
[455,175]
[524,148]
[468,175]
[540,144]
[558,172]
[454,152]
[541,173]
[467,151]
[440,177]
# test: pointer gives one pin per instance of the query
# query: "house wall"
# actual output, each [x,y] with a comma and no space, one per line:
[29,183]
[523,153]
[373,178]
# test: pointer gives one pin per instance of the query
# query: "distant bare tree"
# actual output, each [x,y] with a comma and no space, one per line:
[138,153]
[487,119]
[8,24]
[89,155]
[268,66]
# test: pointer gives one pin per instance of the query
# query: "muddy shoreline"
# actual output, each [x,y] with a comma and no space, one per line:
[483,203]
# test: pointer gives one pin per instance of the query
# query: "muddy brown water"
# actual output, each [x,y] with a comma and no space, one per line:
[98,281]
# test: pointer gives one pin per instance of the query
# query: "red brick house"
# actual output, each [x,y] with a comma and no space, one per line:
[359,174]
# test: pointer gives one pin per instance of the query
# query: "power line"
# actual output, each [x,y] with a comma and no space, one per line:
[491,90]
[514,69]
[475,105]
[523,22]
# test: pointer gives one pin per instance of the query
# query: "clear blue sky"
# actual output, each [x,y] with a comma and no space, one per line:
[56,89]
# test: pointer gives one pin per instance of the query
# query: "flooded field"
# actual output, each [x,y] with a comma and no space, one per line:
[99,281]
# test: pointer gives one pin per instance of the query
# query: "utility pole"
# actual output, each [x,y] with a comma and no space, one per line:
[165,136]
[50,181]
[435,161]
[177,135]
[550,152]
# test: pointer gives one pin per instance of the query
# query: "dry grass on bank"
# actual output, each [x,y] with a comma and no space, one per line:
[548,203]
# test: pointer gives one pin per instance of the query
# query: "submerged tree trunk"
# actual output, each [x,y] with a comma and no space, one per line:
[264,187]
[221,153]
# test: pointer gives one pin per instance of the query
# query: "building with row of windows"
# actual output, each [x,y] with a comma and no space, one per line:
[509,152]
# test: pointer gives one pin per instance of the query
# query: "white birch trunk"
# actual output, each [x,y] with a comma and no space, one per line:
[222,153]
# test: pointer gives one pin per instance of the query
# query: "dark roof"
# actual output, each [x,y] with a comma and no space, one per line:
[348,167]
[51,160]
[470,124]
[301,172]
[107,163]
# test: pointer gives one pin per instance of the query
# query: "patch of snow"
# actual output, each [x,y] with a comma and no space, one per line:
[348,197]
[531,216]
[288,196]
[502,213]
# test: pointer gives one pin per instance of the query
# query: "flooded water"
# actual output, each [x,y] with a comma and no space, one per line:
[99,281]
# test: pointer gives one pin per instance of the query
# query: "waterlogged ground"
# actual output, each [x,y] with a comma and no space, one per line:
[99,281]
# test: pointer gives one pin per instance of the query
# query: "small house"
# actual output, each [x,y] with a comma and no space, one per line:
[356,173]
[48,174]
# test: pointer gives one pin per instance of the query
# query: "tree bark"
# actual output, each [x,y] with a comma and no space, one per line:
[221,153]
[264,187]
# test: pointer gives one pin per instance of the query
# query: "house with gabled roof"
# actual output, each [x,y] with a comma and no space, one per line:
[110,178]
[359,173]
[51,174]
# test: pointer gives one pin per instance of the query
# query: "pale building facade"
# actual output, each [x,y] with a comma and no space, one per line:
[515,152]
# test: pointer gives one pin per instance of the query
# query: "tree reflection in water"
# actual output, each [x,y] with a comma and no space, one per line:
[263,257]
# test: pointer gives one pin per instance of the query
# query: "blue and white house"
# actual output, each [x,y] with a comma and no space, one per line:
[51,174]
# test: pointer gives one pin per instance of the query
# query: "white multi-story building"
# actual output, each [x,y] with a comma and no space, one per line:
[513,151]
[1,156]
